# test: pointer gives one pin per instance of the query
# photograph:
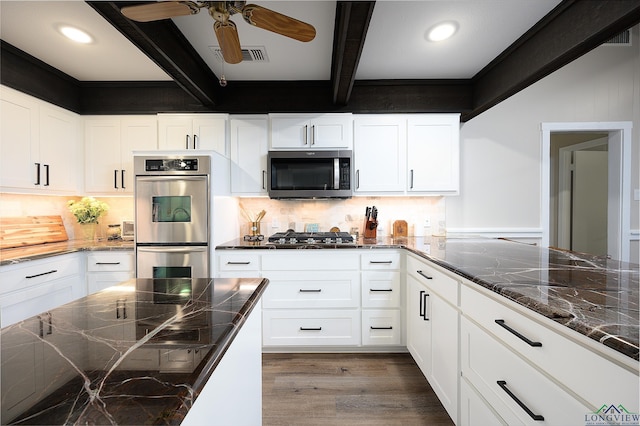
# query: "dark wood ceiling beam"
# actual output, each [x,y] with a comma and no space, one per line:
[572,29]
[164,44]
[351,26]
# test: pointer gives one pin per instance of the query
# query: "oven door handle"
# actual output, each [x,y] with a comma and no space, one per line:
[172,249]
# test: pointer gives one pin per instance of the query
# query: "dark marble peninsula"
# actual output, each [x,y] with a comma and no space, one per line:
[592,295]
[136,353]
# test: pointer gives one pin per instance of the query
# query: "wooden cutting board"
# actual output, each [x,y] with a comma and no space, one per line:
[31,230]
[400,228]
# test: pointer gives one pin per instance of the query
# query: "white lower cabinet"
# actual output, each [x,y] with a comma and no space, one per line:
[518,392]
[432,329]
[31,288]
[108,268]
[474,409]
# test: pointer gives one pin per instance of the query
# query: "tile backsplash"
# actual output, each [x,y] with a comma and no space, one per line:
[281,214]
[15,205]
[345,214]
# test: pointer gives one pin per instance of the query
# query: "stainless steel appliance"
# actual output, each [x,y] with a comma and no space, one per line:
[309,174]
[172,208]
[293,238]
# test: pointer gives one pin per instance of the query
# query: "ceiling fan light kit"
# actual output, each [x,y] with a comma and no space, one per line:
[225,30]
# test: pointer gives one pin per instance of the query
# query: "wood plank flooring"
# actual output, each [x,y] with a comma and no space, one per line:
[347,389]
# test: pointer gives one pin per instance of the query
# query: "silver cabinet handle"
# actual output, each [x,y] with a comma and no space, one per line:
[195,140]
[186,142]
[411,180]
[306,129]
[313,135]
[381,262]
[107,263]
[302,290]
[264,179]
[238,263]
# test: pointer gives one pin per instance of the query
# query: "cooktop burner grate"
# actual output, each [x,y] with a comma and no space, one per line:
[292,237]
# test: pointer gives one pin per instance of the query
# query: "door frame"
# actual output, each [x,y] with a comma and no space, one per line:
[618,243]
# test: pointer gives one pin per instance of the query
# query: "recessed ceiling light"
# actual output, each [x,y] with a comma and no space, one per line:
[75,34]
[442,31]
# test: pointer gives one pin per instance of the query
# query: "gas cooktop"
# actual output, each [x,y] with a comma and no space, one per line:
[292,237]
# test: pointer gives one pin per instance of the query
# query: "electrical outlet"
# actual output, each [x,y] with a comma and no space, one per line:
[427,222]
[275,223]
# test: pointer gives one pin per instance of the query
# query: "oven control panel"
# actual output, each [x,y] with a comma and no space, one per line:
[170,164]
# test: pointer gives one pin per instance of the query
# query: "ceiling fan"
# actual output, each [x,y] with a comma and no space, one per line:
[225,29]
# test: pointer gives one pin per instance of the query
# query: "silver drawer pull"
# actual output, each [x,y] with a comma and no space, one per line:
[53,271]
[310,328]
[238,263]
[381,328]
[304,290]
[501,323]
[107,263]
[380,289]
[424,275]
[536,417]
[386,262]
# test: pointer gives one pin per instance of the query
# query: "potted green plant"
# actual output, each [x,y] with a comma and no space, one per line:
[87,212]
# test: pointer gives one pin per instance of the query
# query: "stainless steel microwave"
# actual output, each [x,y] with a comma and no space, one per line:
[309,174]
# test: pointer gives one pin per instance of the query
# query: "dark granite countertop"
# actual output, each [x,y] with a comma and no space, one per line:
[94,342]
[40,251]
[594,296]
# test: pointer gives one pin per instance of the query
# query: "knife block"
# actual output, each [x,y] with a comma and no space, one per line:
[370,228]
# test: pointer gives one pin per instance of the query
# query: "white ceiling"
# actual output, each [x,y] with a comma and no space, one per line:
[395,46]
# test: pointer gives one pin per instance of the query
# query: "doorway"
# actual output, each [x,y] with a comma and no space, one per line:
[581,192]
[568,215]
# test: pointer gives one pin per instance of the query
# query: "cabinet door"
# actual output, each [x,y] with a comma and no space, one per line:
[379,154]
[59,149]
[418,325]
[433,154]
[175,132]
[137,134]
[210,133]
[103,158]
[332,131]
[290,132]
[19,135]
[249,148]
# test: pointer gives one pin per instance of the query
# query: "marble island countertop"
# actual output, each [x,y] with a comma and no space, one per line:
[106,358]
[594,296]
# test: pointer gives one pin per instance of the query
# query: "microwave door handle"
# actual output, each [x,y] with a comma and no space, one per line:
[336,173]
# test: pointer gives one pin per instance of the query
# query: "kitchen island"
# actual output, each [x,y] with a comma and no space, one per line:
[147,351]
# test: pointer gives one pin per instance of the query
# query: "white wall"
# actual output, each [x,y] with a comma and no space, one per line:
[500,186]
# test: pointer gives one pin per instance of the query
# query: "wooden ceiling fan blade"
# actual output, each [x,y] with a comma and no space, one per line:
[278,23]
[161,10]
[227,36]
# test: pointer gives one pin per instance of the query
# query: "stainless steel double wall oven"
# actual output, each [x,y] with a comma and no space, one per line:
[173,217]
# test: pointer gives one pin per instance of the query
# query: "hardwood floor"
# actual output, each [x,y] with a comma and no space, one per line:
[347,389]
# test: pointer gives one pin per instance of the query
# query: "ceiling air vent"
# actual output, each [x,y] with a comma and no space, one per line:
[249,54]
[622,39]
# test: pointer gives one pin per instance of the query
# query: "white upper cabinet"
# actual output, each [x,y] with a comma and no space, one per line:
[109,145]
[40,145]
[302,131]
[249,146]
[193,131]
[433,153]
[379,153]
[406,154]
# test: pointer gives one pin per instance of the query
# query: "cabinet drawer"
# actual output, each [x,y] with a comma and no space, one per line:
[381,289]
[315,289]
[555,354]
[238,262]
[311,260]
[384,260]
[511,386]
[329,327]
[19,277]
[437,281]
[381,327]
[107,261]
